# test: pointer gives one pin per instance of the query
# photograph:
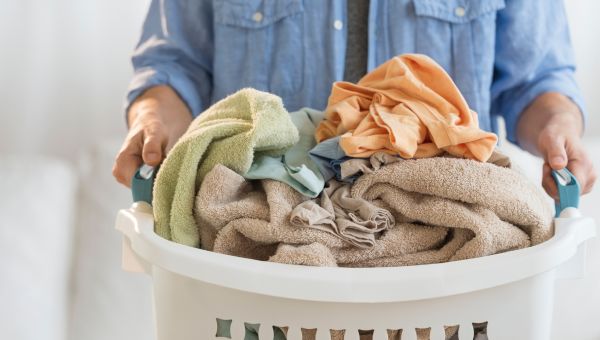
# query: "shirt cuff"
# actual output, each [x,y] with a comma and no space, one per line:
[515,101]
[147,77]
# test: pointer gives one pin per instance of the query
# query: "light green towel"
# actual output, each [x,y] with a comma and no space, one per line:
[231,132]
[295,167]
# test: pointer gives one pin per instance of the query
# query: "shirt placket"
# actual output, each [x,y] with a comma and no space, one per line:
[339,36]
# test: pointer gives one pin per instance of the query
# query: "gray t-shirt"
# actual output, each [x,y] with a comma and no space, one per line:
[357,22]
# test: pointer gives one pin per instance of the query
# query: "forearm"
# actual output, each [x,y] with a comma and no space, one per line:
[549,111]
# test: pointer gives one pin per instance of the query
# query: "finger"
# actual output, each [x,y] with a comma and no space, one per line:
[581,165]
[593,176]
[548,181]
[125,168]
[556,153]
[584,172]
[155,139]
[128,160]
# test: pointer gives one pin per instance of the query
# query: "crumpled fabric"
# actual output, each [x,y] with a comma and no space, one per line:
[409,106]
[354,220]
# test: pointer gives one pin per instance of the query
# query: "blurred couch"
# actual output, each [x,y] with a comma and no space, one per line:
[37,209]
[63,277]
[63,280]
[107,303]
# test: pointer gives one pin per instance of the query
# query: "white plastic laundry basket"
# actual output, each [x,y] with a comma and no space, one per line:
[513,291]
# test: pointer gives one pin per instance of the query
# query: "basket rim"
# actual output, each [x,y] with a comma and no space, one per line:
[342,284]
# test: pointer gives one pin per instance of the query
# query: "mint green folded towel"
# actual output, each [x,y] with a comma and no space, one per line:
[295,167]
[244,125]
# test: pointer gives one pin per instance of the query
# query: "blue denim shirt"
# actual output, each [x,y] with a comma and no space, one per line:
[501,53]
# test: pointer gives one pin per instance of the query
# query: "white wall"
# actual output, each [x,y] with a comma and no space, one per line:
[585,30]
[64,66]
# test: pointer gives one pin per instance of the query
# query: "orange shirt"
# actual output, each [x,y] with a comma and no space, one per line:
[408,106]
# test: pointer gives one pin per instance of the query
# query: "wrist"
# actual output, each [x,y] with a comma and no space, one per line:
[160,103]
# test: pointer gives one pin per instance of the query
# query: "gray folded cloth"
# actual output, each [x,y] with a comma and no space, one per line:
[354,220]
[356,166]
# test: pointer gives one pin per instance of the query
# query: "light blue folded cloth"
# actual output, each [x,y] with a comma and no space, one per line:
[295,167]
[328,155]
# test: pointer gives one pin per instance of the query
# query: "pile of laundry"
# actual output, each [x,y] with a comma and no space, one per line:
[394,172]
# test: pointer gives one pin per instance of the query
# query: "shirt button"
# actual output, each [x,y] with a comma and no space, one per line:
[257,17]
[338,24]
[459,11]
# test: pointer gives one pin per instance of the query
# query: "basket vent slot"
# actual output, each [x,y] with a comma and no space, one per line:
[337,334]
[251,332]
[223,328]
[423,333]
[280,332]
[480,330]
[394,334]
[451,332]
[309,333]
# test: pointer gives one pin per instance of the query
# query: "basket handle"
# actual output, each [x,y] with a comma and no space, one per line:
[142,183]
[129,222]
[568,190]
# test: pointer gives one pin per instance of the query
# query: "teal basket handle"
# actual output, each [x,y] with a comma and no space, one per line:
[142,183]
[568,190]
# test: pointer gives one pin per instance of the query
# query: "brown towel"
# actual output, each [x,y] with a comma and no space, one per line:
[367,165]
[355,166]
[445,209]
[250,219]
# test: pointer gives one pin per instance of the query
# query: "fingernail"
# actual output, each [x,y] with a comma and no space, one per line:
[152,156]
[557,160]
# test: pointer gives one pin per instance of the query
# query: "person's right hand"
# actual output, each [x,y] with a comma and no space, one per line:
[156,119]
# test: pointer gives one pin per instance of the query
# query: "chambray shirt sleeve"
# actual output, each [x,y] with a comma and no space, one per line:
[175,49]
[533,56]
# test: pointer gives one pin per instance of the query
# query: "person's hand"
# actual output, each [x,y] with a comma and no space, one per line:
[551,127]
[157,119]
[561,148]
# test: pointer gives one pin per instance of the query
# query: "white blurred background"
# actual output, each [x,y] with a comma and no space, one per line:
[64,68]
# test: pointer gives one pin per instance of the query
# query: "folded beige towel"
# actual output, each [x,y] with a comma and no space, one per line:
[445,209]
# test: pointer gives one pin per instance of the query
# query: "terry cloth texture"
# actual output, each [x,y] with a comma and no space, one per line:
[445,209]
[354,167]
[232,132]
[295,167]
[409,106]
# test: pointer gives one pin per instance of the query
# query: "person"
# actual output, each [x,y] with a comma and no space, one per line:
[511,59]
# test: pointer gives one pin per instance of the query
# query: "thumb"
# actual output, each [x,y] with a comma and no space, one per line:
[154,141]
[556,154]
